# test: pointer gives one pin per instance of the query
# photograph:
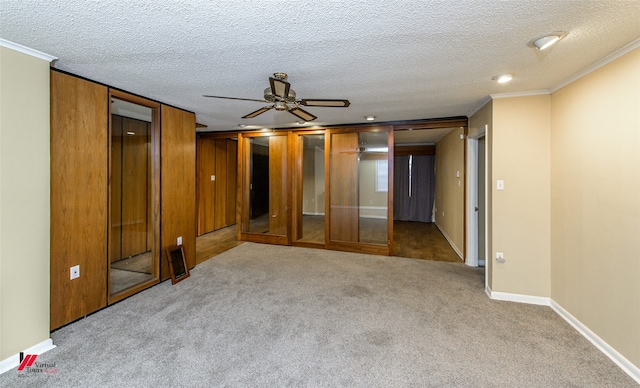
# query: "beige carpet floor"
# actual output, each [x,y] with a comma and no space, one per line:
[274,316]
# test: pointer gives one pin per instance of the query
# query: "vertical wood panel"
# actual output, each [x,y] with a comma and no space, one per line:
[232,177]
[206,187]
[178,183]
[79,144]
[278,189]
[220,198]
[344,187]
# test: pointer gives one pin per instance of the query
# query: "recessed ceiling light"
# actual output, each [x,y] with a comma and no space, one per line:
[504,78]
[546,41]
[301,122]
[242,125]
[370,118]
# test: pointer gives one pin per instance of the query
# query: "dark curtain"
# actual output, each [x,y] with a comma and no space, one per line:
[418,206]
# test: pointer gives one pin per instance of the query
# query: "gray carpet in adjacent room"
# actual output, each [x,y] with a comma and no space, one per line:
[270,316]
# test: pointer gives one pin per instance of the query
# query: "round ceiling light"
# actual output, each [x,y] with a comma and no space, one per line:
[503,78]
[370,118]
[546,41]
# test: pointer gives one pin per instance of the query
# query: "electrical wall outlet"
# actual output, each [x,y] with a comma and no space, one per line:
[179,241]
[74,272]
[499,257]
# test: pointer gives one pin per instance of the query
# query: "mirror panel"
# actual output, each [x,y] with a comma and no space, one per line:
[265,176]
[131,256]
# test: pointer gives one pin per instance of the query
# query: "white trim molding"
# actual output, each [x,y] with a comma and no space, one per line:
[596,65]
[26,50]
[455,248]
[14,361]
[475,110]
[624,364]
[520,298]
[520,94]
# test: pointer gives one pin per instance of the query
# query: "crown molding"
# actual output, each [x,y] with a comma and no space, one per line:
[596,65]
[479,106]
[26,50]
[520,94]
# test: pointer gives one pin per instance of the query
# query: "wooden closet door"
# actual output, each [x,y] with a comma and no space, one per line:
[206,155]
[220,197]
[278,185]
[232,181]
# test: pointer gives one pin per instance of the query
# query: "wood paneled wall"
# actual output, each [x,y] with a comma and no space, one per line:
[216,198]
[79,143]
[79,191]
[178,183]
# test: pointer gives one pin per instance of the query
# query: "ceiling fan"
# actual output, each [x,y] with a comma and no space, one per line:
[284,98]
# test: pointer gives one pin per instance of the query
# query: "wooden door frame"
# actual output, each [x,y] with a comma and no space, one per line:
[377,249]
[154,134]
[243,193]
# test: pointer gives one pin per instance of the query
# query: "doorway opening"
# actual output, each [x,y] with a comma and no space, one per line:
[415,232]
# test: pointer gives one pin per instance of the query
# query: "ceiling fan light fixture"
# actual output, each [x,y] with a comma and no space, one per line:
[503,78]
[268,95]
[279,87]
[282,97]
[546,41]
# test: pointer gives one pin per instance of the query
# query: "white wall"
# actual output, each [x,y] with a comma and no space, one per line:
[521,212]
[24,202]
[595,203]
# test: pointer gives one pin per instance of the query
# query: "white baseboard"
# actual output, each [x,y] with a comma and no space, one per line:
[455,248]
[519,298]
[14,361]
[624,364]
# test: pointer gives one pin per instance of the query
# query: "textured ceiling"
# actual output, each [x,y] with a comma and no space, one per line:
[396,60]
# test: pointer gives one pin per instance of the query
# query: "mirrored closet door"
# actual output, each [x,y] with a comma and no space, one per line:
[133,258]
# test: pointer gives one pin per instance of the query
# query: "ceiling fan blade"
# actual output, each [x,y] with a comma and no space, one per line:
[320,102]
[258,112]
[303,114]
[279,87]
[235,98]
